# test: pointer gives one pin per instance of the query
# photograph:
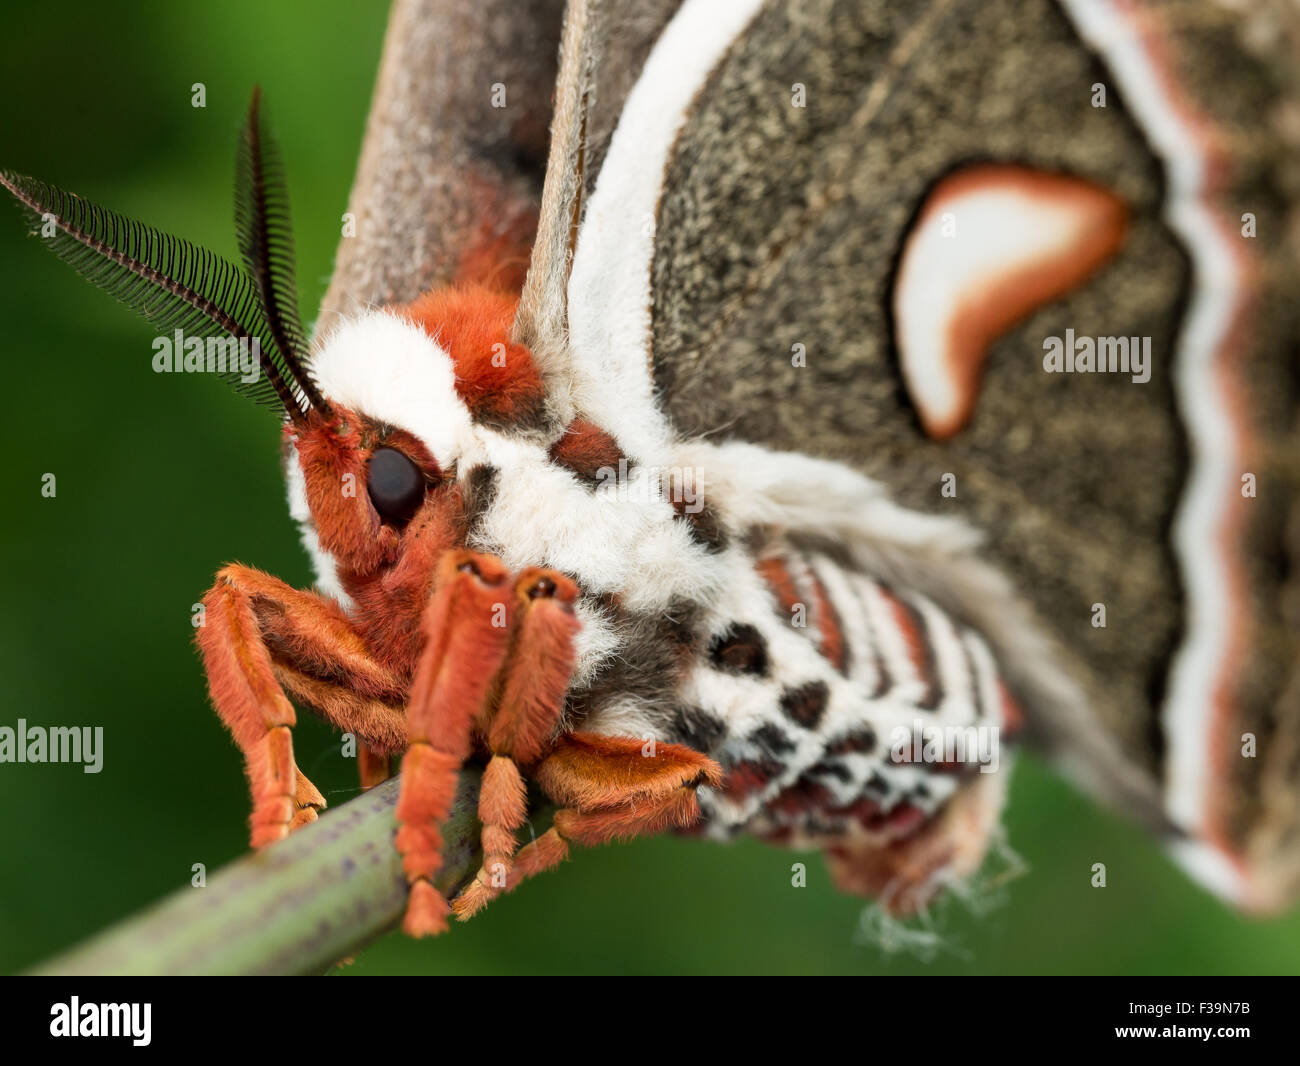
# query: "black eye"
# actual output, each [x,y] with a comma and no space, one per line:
[395,484]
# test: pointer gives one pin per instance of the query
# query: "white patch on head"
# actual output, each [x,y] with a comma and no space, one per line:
[389,369]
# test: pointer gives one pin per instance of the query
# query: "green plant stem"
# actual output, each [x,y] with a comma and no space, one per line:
[297,907]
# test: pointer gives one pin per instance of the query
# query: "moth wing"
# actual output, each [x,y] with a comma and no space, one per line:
[762,257]
[449,179]
[604,46]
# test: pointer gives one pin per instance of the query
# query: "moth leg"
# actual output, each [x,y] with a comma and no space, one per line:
[261,637]
[530,702]
[614,788]
[466,629]
[374,766]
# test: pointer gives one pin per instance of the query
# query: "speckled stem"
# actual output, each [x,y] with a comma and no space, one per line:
[296,907]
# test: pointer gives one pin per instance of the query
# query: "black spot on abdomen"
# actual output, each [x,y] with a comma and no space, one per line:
[740,650]
[698,729]
[806,704]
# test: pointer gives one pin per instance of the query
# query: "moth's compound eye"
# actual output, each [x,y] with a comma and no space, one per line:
[395,484]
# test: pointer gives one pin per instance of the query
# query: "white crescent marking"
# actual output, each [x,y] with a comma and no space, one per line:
[991,244]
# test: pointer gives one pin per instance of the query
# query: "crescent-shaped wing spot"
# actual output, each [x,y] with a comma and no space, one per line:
[990,245]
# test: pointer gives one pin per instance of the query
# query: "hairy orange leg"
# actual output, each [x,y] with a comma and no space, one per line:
[466,628]
[614,788]
[530,700]
[261,637]
[373,766]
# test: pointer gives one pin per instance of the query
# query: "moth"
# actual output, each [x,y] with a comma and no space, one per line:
[839,384]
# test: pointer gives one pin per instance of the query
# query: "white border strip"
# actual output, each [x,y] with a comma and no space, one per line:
[1201,662]
[609,286]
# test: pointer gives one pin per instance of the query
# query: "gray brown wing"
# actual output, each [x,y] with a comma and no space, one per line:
[444,174]
[603,49]
[782,226]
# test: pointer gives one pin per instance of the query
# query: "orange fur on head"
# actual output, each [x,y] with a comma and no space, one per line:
[332,456]
[495,379]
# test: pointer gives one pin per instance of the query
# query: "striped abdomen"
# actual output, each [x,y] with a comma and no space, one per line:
[838,705]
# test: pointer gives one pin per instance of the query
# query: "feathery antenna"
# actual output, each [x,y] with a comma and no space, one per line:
[265,232]
[174,284]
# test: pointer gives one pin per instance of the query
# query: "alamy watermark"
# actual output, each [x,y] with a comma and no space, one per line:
[74,1018]
[680,485]
[949,745]
[1098,355]
[46,744]
[179,354]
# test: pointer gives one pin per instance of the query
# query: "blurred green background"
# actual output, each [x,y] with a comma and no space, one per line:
[161,479]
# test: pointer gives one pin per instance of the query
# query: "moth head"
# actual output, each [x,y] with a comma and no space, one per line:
[418,392]
[382,423]
[377,480]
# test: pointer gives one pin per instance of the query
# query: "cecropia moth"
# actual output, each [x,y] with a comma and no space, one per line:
[844,390]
